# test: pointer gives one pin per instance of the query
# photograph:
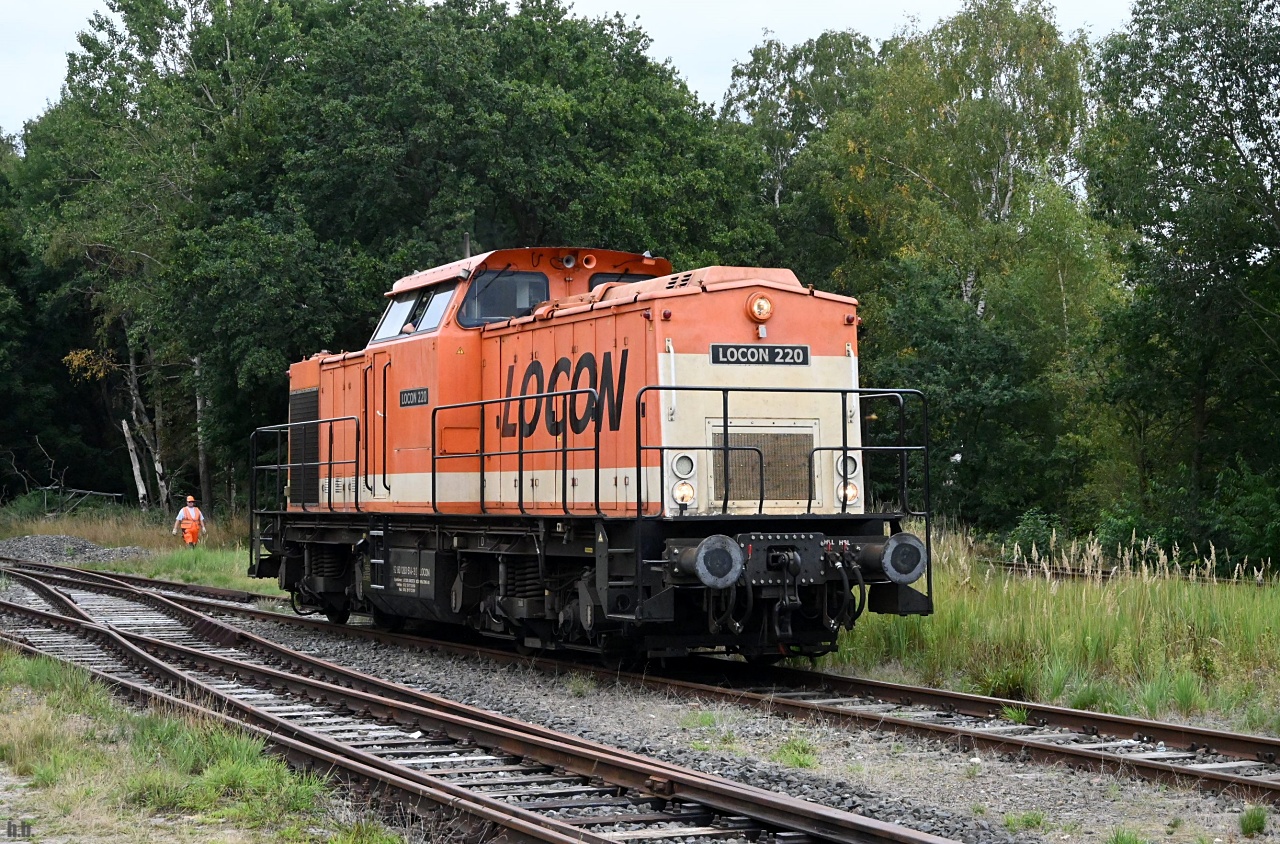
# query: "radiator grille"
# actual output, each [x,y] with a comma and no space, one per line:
[304,447]
[786,466]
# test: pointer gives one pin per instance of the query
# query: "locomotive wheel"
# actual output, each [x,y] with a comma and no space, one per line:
[764,659]
[337,616]
[618,655]
[389,623]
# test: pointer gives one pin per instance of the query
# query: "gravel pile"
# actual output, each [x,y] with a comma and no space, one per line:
[66,550]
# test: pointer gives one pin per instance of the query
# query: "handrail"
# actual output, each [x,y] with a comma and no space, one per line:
[386,414]
[256,470]
[366,379]
[566,400]
[898,396]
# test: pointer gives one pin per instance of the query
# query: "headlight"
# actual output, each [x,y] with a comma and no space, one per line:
[682,493]
[848,493]
[846,466]
[683,465]
[759,307]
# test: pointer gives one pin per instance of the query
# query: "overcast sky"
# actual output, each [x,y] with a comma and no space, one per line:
[703,38]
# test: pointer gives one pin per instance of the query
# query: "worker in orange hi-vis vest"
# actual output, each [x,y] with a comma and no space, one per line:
[191,520]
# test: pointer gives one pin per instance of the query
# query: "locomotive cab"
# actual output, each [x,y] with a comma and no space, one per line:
[581,449]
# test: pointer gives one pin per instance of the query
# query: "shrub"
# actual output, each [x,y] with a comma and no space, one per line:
[1038,530]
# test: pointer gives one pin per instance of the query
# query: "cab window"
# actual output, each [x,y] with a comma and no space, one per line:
[498,295]
[397,315]
[432,307]
[414,311]
[604,278]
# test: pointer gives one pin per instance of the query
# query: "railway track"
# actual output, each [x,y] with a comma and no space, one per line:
[1214,760]
[434,756]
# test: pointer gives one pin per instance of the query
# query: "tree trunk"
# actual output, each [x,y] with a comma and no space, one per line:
[143,499]
[206,477]
[1199,433]
[143,425]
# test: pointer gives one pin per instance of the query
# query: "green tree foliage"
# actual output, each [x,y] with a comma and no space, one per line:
[979,267]
[966,122]
[48,424]
[240,182]
[1187,152]
[785,98]
[1072,250]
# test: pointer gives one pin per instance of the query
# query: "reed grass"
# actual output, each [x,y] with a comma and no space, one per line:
[1157,636]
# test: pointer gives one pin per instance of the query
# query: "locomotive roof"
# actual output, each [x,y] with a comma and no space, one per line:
[679,284]
[606,260]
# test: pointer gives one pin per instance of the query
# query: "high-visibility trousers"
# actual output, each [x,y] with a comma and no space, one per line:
[191,531]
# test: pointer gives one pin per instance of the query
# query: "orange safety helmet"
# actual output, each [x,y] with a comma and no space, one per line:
[191,499]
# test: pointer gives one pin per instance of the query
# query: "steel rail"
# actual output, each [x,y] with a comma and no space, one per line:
[1245,748]
[1264,749]
[404,705]
[316,748]
[299,754]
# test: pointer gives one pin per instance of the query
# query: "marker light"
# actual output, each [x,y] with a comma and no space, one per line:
[683,465]
[683,493]
[759,307]
[848,493]
[846,465]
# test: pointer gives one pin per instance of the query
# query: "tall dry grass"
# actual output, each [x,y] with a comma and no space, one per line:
[1153,638]
[118,527]
[221,559]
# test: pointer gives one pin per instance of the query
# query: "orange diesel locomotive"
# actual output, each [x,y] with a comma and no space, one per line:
[579,448]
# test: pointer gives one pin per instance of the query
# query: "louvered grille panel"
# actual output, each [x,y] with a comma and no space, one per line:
[786,466]
[304,447]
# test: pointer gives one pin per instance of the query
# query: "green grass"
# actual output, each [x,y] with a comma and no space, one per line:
[92,763]
[796,752]
[203,565]
[714,734]
[580,685]
[1023,821]
[65,688]
[1016,714]
[1125,836]
[1150,641]
[1253,821]
[699,718]
[199,767]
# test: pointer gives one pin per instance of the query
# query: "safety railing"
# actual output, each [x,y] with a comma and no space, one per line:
[287,480]
[565,399]
[902,449]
